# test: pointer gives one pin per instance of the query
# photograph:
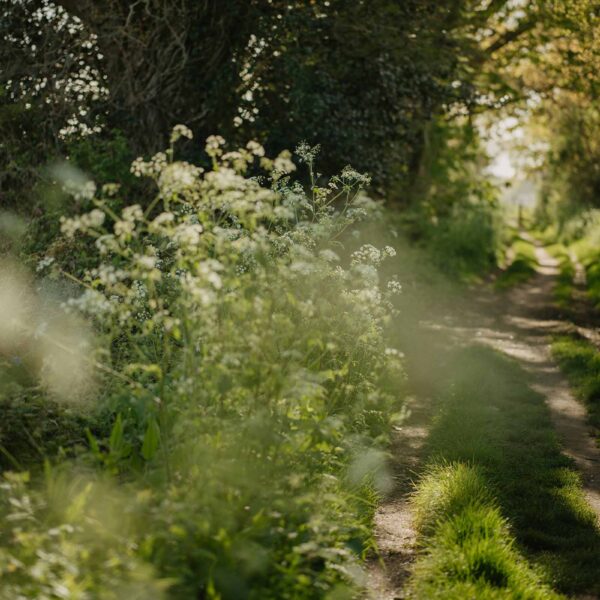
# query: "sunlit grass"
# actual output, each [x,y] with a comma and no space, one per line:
[563,290]
[470,551]
[522,266]
[445,491]
[580,360]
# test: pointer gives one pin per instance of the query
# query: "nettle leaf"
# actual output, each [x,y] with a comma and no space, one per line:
[116,435]
[151,440]
[118,446]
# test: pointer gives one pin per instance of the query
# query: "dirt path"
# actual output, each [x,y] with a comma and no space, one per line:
[396,537]
[530,318]
[518,324]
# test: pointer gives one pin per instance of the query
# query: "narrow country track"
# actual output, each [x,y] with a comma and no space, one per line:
[519,324]
[529,318]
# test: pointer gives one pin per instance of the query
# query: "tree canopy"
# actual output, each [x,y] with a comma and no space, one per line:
[364,79]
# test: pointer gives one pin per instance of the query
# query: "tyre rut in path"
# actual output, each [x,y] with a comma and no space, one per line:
[519,324]
[394,531]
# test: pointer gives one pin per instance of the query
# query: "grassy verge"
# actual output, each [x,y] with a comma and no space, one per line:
[522,266]
[563,292]
[472,553]
[586,250]
[592,271]
[591,263]
[580,360]
[500,509]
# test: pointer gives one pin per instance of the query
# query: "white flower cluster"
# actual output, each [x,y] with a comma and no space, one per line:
[161,223]
[108,275]
[80,190]
[207,249]
[187,235]
[72,79]
[394,286]
[125,227]
[255,148]
[368,254]
[214,146]
[92,302]
[351,177]
[151,168]
[84,223]
[180,131]
[283,163]
[178,177]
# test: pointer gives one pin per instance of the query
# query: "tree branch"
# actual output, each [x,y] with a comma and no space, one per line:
[510,36]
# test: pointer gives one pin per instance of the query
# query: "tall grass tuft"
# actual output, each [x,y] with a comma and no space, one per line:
[469,549]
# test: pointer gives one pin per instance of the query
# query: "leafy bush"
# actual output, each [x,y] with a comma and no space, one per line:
[33,427]
[244,358]
[454,210]
[466,241]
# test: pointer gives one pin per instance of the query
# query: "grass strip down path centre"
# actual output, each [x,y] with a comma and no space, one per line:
[499,509]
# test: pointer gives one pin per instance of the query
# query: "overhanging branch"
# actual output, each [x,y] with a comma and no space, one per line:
[510,36]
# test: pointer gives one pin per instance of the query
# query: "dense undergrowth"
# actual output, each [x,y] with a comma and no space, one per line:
[226,399]
[587,251]
[455,216]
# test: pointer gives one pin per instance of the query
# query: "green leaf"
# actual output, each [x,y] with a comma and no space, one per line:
[116,435]
[151,440]
[95,448]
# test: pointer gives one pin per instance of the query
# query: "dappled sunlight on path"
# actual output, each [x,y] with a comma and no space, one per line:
[520,324]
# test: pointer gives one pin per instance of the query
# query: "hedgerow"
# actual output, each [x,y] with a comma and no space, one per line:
[239,349]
